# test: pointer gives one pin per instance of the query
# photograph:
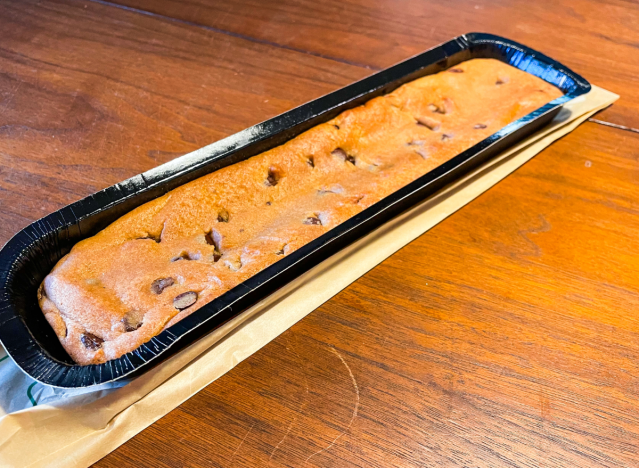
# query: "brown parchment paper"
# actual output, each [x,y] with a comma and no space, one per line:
[81,431]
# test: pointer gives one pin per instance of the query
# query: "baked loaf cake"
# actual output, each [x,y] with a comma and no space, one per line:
[165,259]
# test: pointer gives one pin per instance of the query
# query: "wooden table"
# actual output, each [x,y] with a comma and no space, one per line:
[507,336]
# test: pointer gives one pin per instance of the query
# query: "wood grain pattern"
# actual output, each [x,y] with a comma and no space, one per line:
[527,330]
[91,95]
[597,39]
[504,337]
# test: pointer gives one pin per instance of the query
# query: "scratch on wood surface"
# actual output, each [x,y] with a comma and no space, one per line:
[241,443]
[290,426]
[524,233]
[354,409]
[301,407]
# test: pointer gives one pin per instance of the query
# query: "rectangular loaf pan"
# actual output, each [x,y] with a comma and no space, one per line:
[31,254]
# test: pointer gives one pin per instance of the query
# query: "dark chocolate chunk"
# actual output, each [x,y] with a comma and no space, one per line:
[185,300]
[480,126]
[132,320]
[161,284]
[268,203]
[447,136]
[223,216]
[344,155]
[186,256]
[502,80]
[234,264]
[273,177]
[209,238]
[422,153]
[90,341]
[428,122]
[446,107]
[449,106]
[313,220]
[310,161]
[214,239]
[335,188]
[339,152]
[336,126]
[41,292]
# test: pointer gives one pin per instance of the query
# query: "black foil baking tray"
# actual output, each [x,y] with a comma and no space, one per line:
[31,254]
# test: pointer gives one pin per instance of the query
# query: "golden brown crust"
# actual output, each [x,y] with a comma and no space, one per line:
[167,258]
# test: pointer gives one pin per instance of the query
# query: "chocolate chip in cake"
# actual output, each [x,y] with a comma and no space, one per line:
[273,177]
[480,126]
[185,300]
[336,126]
[233,264]
[428,122]
[90,341]
[422,153]
[456,70]
[268,203]
[222,216]
[132,320]
[216,254]
[156,238]
[186,256]
[332,189]
[447,136]
[161,284]
[502,80]
[208,237]
[310,161]
[449,106]
[215,239]
[41,292]
[339,152]
[282,250]
[314,220]
[416,143]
